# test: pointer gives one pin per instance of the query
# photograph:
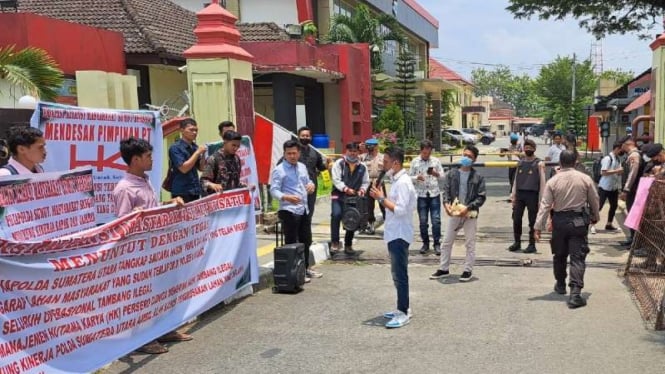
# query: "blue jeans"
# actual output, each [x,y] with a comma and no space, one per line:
[430,206]
[399,267]
[337,209]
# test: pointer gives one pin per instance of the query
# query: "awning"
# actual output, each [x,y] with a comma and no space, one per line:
[641,101]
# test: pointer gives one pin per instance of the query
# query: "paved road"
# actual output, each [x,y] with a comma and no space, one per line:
[506,320]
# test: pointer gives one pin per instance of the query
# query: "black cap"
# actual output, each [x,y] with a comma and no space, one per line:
[652,150]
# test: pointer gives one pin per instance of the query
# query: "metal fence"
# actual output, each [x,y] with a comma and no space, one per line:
[645,269]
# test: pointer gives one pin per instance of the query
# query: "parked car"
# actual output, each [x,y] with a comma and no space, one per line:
[463,137]
[484,137]
[537,130]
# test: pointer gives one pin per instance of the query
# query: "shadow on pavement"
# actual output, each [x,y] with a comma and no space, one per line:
[378,321]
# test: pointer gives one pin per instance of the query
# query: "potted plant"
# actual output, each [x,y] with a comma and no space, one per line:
[309,31]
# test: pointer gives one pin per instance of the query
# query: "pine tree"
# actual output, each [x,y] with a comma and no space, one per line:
[405,83]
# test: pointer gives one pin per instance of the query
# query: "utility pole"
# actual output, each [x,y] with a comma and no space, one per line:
[571,115]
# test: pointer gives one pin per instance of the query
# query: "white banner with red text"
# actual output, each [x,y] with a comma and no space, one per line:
[248,173]
[78,137]
[41,206]
[73,304]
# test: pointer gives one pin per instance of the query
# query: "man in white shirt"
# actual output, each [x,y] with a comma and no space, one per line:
[555,150]
[426,172]
[398,232]
[28,149]
[610,183]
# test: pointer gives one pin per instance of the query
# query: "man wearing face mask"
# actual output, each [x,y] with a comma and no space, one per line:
[350,178]
[373,160]
[313,162]
[468,187]
[528,186]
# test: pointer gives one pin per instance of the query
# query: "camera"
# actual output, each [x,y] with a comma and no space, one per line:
[430,170]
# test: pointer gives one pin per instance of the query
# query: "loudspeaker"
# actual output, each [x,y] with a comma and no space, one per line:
[355,214]
[289,272]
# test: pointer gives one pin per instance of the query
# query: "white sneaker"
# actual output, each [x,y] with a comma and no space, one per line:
[398,321]
[593,229]
[391,314]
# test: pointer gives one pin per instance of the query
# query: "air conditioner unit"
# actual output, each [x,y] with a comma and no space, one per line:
[419,74]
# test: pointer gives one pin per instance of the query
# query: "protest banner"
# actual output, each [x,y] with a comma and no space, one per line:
[634,216]
[71,305]
[78,137]
[248,174]
[46,205]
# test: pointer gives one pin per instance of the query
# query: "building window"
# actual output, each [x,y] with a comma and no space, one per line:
[222,3]
[342,8]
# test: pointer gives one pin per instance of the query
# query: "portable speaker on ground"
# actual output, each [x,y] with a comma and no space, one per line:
[289,271]
[355,214]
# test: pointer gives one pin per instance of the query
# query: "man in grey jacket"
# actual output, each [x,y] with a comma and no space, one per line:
[465,186]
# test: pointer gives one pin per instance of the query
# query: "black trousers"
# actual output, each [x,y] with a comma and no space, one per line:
[630,200]
[187,198]
[569,238]
[370,206]
[297,229]
[525,200]
[612,198]
[311,203]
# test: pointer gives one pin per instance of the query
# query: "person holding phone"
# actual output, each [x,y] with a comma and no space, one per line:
[426,172]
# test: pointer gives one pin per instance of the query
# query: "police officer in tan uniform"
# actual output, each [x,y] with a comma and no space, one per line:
[572,200]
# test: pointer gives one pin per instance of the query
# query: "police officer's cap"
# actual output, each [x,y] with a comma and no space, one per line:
[371,142]
[652,150]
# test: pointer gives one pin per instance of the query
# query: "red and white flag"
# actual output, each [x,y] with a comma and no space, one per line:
[268,139]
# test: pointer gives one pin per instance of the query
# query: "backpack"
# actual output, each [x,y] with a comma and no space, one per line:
[626,169]
[596,169]
[11,169]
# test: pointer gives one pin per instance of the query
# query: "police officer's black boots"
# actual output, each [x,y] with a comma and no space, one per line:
[576,300]
[516,247]
[531,248]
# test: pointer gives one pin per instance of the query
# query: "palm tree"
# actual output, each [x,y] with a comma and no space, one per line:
[365,27]
[31,69]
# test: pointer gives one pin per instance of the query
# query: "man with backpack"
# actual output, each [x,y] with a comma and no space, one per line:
[28,149]
[607,174]
[633,170]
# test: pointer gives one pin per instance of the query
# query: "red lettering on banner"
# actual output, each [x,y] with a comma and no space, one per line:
[12,305]
[100,163]
[132,263]
[69,132]
[159,256]
[23,343]
[36,359]
[114,298]
[93,336]
[92,321]
[56,314]
[101,116]
[71,206]
[68,328]
[141,275]
[33,285]
[121,281]
[21,323]
[65,348]
[108,270]
[135,307]
[37,300]
[169,237]
[11,368]
[74,280]
[81,293]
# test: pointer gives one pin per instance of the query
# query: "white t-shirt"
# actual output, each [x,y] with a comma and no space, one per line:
[610,182]
[555,151]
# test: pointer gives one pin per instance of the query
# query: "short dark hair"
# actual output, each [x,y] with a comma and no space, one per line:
[395,153]
[426,144]
[473,150]
[131,147]
[626,139]
[556,134]
[224,124]
[352,146]
[291,143]
[530,142]
[21,135]
[186,122]
[231,136]
[571,139]
[568,158]
[304,128]
[617,144]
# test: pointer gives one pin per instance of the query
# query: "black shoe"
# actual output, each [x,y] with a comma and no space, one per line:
[424,249]
[576,301]
[516,247]
[465,277]
[531,248]
[440,274]
[560,288]
[437,249]
[349,250]
[609,227]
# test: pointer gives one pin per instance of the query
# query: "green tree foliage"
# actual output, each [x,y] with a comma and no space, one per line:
[391,119]
[31,69]
[405,82]
[502,84]
[449,103]
[619,76]
[363,26]
[599,17]
[555,83]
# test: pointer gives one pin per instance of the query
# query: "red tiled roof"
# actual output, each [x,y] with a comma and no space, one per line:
[441,71]
[148,26]
[423,12]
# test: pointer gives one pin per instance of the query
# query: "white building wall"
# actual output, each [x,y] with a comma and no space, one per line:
[282,12]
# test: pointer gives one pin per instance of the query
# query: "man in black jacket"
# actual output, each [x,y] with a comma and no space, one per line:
[464,186]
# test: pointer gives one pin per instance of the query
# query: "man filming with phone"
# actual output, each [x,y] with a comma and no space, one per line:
[426,172]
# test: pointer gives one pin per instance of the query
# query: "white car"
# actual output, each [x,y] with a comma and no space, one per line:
[466,138]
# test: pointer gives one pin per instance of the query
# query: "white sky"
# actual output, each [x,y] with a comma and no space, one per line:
[482,31]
